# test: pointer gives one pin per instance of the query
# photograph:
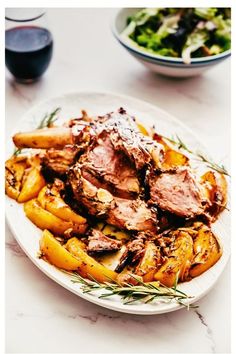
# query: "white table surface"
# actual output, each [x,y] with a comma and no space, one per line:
[41,316]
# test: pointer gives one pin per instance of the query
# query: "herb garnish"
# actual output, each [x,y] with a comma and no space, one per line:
[49,119]
[46,122]
[209,163]
[17,152]
[146,292]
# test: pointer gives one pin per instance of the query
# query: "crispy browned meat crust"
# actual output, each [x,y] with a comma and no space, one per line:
[55,163]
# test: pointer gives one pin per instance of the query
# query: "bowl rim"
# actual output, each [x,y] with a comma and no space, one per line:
[159,58]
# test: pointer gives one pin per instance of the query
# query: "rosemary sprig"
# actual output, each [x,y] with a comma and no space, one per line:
[17,152]
[46,122]
[146,292]
[209,163]
[49,119]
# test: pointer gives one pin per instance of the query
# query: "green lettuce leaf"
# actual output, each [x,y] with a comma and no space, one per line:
[207,13]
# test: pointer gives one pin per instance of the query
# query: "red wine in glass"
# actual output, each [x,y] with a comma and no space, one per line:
[28,51]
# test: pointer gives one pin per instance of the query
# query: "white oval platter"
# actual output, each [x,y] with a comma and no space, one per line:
[28,235]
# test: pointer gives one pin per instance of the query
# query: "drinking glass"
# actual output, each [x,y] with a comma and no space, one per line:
[28,43]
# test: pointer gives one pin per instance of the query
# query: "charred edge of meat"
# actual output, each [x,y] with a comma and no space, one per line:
[55,163]
[99,243]
[145,182]
[85,118]
[68,196]
[134,251]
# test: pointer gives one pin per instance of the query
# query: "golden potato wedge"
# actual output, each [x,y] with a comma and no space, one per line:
[51,200]
[45,138]
[174,158]
[89,267]
[32,185]
[73,243]
[14,172]
[207,251]
[46,220]
[41,197]
[215,190]
[145,130]
[56,254]
[147,267]
[35,160]
[178,263]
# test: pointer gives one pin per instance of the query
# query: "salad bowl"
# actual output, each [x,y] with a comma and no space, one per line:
[157,62]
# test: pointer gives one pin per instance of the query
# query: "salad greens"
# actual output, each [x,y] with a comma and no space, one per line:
[181,32]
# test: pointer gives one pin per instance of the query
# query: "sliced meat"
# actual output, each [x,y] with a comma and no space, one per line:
[132,215]
[176,191]
[98,242]
[55,163]
[110,169]
[125,136]
[123,213]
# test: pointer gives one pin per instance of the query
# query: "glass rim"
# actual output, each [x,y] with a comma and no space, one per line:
[25,19]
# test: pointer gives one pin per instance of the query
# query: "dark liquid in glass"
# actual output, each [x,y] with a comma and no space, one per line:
[28,51]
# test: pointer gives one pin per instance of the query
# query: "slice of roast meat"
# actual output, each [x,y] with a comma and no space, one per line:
[55,163]
[176,191]
[110,169]
[125,136]
[98,242]
[123,213]
[132,215]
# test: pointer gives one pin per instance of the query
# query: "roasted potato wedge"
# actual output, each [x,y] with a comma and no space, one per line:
[73,243]
[215,190]
[145,130]
[32,185]
[177,265]
[174,158]
[14,173]
[207,250]
[46,220]
[56,254]
[51,200]
[35,160]
[45,138]
[88,265]
[147,267]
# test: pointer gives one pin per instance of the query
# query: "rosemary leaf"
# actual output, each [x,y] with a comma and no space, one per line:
[200,156]
[145,292]
[17,152]
[49,119]
[46,122]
